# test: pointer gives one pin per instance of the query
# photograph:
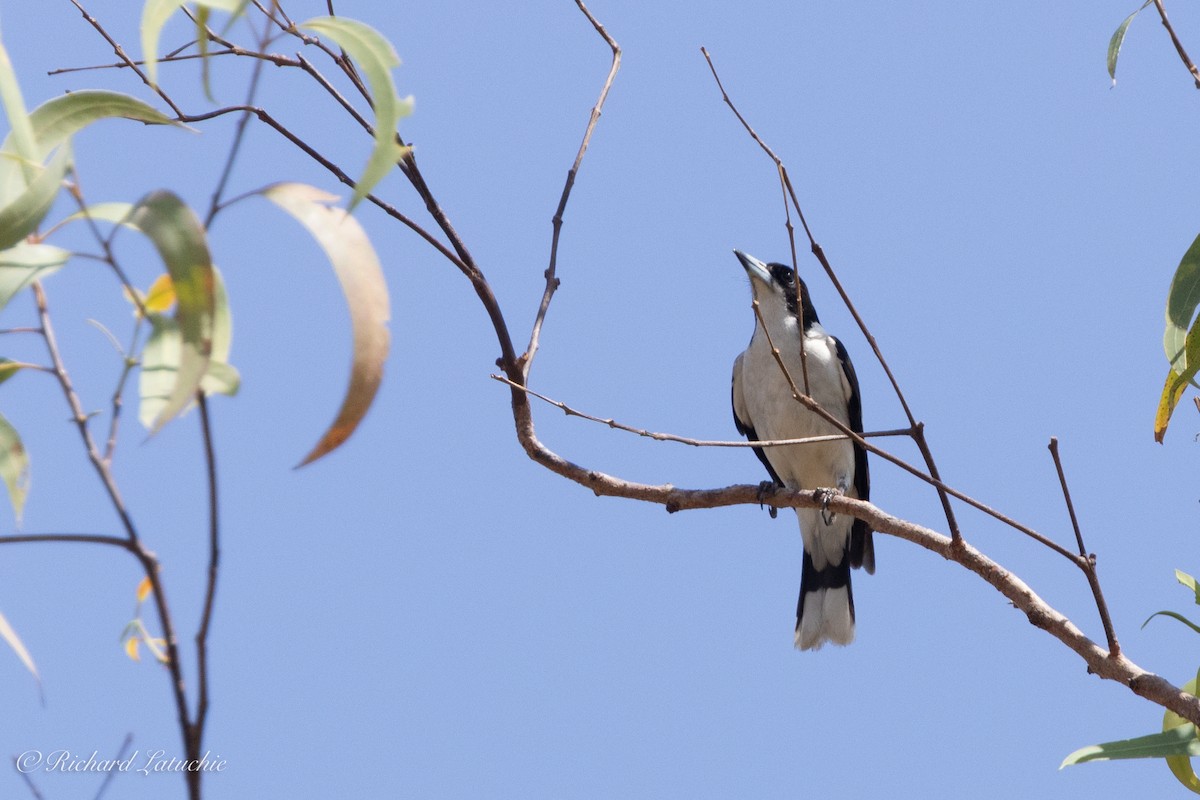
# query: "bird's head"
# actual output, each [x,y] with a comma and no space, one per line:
[778,289]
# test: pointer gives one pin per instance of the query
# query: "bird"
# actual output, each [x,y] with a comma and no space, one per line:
[764,408]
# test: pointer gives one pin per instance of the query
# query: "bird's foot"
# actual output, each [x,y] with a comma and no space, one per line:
[766,489]
[825,496]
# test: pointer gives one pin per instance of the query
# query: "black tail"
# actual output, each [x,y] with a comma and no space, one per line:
[825,611]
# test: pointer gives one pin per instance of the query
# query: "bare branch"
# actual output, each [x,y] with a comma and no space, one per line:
[1183,56]
[552,281]
[1088,559]
[670,437]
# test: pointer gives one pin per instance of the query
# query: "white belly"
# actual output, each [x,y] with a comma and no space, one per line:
[775,414]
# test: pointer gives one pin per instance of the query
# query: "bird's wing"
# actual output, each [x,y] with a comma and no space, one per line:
[741,419]
[862,548]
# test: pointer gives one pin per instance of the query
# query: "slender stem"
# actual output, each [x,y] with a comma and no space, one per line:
[238,136]
[552,281]
[214,558]
[120,53]
[1183,56]
[78,416]
[108,776]
[1087,560]
[670,437]
[70,538]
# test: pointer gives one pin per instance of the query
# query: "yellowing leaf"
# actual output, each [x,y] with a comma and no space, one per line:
[131,648]
[1181,766]
[161,295]
[14,468]
[357,268]
[143,590]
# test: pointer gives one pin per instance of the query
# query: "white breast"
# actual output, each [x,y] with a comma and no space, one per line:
[775,414]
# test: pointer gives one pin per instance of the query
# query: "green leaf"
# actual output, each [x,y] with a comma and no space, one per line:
[117,213]
[357,268]
[8,368]
[1189,582]
[180,240]
[1179,741]
[26,263]
[25,143]
[1118,38]
[375,55]
[221,378]
[1173,615]
[156,13]
[22,216]
[10,636]
[1182,299]
[58,119]
[160,368]
[14,467]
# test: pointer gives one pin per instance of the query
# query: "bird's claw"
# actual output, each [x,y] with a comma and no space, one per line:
[826,495]
[765,489]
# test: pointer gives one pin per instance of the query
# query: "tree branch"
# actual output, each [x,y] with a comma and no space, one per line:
[552,282]
[1183,56]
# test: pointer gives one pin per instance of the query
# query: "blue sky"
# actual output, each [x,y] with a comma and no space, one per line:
[426,613]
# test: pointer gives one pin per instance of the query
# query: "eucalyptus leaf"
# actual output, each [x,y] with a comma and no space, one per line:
[1118,38]
[179,238]
[25,263]
[375,55]
[361,276]
[14,467]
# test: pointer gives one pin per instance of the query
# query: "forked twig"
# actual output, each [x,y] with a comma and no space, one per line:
[1087,560]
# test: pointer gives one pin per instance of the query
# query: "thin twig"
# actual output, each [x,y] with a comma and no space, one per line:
[214,558]
[70,538]
[108,776]
[1088,560]
[233,50]
[787,212]
[1183,56]
[670,437]
[78,416]
[120,53]
[29,784]
[552,280]
[239,135]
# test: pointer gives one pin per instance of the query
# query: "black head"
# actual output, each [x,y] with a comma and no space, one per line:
[783,280]
[795,291]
